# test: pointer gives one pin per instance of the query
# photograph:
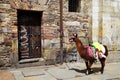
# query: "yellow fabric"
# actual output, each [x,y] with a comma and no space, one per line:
[97,45]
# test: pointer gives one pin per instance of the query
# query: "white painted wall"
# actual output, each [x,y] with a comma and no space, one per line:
[110,15]
[95,20]
[111,24]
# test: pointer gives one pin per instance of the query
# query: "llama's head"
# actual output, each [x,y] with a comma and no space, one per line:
[74,36]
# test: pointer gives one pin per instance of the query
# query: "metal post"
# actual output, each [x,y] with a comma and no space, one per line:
[61,30]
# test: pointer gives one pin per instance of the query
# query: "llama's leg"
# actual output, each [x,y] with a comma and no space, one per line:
[87,70]
[102,65]
[88,66]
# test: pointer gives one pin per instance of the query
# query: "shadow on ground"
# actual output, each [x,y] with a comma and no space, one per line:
[95,70]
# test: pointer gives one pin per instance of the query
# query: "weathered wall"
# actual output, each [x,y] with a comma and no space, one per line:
[105,22]
[95,19]
[111,27]
[105,26]
[8,27]
[72,22]
[5,33]
[98,20]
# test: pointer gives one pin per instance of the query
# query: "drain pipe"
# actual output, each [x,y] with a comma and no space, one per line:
[61,31]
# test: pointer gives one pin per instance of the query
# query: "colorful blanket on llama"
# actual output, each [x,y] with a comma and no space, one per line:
[98,46]
[94,48]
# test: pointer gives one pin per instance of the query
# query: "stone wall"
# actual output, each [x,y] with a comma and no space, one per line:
[98,20]
[73,22]
[5,33]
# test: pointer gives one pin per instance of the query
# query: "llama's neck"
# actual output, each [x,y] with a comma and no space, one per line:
[79,45]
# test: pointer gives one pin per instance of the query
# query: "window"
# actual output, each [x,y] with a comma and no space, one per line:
[74,5]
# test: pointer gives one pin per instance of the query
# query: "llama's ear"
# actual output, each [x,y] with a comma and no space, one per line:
[75,35]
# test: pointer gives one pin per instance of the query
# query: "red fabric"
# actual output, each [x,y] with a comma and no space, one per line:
[90,51]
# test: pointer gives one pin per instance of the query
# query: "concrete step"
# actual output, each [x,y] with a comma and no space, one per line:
[31,62]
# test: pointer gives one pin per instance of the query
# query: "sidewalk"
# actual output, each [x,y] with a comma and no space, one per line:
[69,71]
[6,75]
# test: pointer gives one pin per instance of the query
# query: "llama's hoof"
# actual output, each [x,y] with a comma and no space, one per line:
[101,71]
[89,72]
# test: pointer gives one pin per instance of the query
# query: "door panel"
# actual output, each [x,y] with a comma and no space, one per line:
[29,34]
[35,41]
[29,42]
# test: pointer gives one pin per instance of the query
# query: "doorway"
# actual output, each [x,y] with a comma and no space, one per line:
[29,34]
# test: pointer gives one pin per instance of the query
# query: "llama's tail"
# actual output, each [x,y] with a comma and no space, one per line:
[106,50]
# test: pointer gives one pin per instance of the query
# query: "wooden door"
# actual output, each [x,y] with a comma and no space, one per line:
[29,34]
[35,42]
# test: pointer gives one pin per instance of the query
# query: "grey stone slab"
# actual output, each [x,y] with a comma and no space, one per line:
[33,72]
[63,73]
[46,77]
[18,75]
[108,75]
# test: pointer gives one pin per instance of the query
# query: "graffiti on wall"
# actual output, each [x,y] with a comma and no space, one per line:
[24,42]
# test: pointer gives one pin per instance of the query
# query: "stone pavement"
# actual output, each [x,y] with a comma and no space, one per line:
[67,71]
[6,75]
